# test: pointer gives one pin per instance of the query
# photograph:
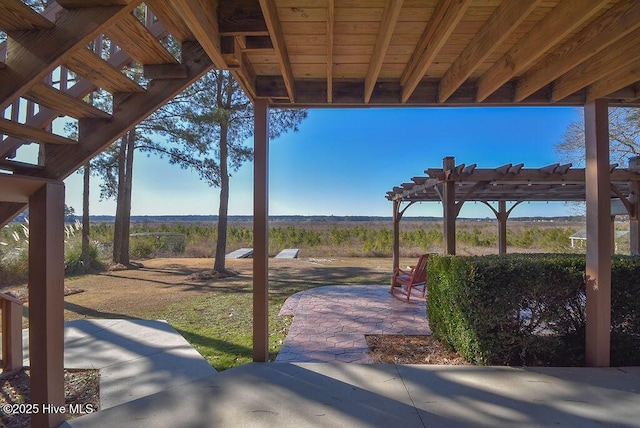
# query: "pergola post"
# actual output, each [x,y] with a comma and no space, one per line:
[598,270]
[261,232]
[396,234]
[502,227]
[634,230]
[449,205]
[46,301]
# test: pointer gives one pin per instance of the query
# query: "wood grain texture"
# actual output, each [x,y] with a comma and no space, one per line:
[100,72]
[63,103]
[132,36]
[29,133]
[17,16]
[270,13]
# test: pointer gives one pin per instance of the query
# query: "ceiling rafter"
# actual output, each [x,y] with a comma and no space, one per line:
[270,13]
[31,55]
[606,62]
[555,26]
[387,26]
[493,33]
[201,16]
[615,81]
[608,29]
[445,19]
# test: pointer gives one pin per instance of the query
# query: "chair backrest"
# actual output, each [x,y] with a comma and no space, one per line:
[420,271]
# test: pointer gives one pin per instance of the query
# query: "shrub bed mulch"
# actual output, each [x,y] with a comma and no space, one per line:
[408,349]
[81,387]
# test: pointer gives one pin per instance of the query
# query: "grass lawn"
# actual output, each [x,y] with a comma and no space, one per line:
[214,316]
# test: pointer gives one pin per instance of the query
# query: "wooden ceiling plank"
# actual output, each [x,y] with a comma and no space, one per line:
[62,102]
[100,72]
[17,16]
[387,26]
[270,14]
[555,26]
[446,17]
[493,33]
[616,81]
[170,19]
[29,133]
[201,16]
[330,42]
[31,55]
[609,28]
[97,134]
[132,36]
[598,67]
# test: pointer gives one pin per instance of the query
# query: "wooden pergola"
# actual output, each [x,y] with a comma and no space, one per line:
[508,186]
[294,53]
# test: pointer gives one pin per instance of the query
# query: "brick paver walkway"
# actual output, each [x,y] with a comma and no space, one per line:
[329,323]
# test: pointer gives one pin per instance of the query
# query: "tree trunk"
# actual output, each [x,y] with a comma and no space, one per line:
[123,205]
[128,186]
[117,228]
[86,250]
[221,245]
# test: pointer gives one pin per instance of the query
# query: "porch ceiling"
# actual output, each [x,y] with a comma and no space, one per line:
[299,53]
[511,183]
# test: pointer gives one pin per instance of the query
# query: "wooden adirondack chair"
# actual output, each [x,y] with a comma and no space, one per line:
[410,283]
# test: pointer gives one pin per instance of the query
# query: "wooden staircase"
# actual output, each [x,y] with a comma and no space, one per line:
[52,62]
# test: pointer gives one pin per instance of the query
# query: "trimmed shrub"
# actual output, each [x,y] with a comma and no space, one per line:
[528,309]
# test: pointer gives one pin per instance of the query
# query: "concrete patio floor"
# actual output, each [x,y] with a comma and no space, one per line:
[182,392]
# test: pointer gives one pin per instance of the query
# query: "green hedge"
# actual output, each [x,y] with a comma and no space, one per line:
[528,309]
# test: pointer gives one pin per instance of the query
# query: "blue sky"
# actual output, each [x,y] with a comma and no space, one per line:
[342,162]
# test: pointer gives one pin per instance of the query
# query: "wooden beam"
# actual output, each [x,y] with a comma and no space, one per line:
[29,133]
[608,29]
[201,16]
[31,55]
[165,71]
[555,26]
[100,72]
[598,272]
[135,38]
[330,41]
[171,19]
[62,102]
[599,66]
[261,232]
[241,17]
[493,33]
[444,20]
[270,14]
[129,110]
[46,301]
[387,26]
[608,85]
[17,16]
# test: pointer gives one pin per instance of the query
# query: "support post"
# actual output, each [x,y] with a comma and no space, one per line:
[261,232]
[613,235]
[11,333]
[598,270]
[449,205]
[502,227]
[634,230]
[46,301]
[396,235]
